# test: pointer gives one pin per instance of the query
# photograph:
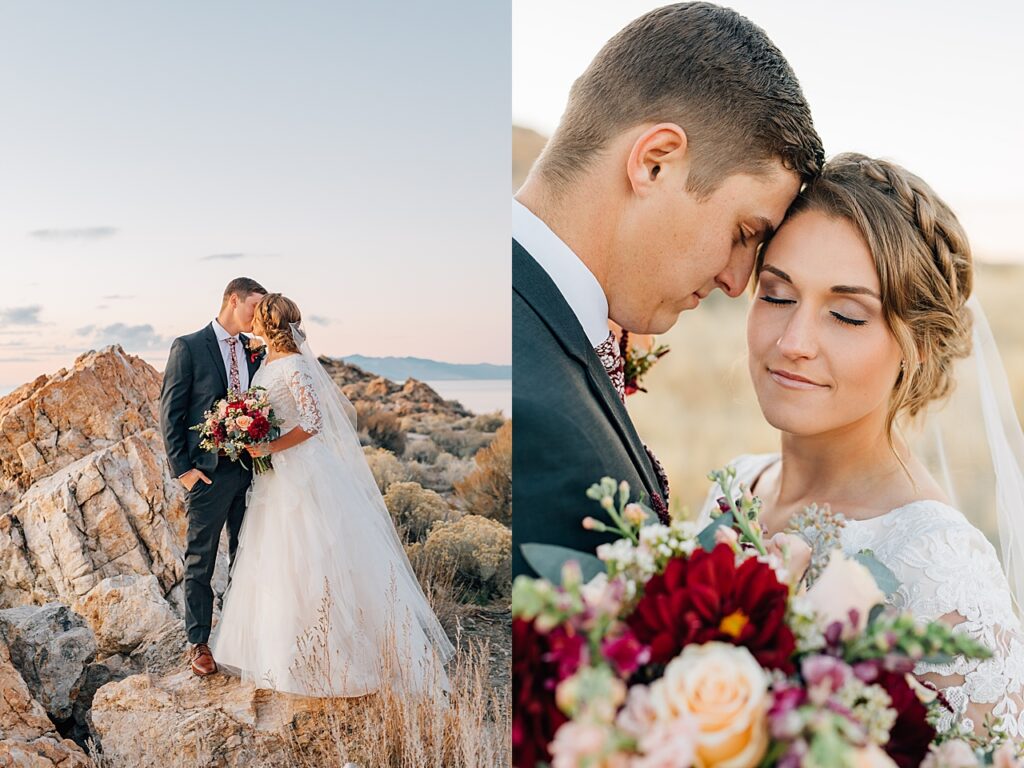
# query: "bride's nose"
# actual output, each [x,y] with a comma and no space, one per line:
[799,337]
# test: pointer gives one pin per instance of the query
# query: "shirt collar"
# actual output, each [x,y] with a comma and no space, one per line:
[574,280]
[222,334]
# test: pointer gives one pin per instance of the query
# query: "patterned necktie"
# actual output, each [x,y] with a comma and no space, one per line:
[236,383]
[615,366]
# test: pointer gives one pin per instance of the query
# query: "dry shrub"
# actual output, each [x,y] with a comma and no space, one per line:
[424,450]
[479,550]
[386,468]
[487,422]
[415,509]
[487,491]
[463,443]
[383,427]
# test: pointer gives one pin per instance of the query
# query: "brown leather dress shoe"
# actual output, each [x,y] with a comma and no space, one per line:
[202,660]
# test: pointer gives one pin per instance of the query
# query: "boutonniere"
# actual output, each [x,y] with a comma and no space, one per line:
[637,362]
[255,350]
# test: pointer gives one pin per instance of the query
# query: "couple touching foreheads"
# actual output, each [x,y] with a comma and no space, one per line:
[687,160]
[320,588]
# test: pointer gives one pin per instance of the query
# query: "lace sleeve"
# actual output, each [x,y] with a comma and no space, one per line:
[959,581]
[300,384]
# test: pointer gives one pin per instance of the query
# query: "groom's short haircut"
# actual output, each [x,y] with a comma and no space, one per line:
[709,70]
[243,287]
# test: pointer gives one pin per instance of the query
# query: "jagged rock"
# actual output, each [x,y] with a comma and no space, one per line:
[116,511]
[379,387]
[187,721]
[58,419]
[124,610]
[45,752]
[21,717]
[162,652]
[50,646]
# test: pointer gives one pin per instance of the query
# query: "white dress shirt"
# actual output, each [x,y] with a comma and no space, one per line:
[225,352]
[574,280]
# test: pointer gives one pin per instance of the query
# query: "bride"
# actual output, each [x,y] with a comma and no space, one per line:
[859,315]
[322,599]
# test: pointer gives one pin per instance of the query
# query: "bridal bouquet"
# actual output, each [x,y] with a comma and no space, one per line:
[676,647]
[238,421]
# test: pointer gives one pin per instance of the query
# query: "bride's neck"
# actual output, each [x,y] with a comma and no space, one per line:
[843,467]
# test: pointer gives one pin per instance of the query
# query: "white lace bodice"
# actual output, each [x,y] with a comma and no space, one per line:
[947,570]
[289,386]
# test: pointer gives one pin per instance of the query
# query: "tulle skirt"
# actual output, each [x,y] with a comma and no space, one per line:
[319,601]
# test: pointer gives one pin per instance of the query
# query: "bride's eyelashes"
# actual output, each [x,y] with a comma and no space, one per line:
[838,317]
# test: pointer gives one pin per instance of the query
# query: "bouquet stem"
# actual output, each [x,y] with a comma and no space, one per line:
[262,464]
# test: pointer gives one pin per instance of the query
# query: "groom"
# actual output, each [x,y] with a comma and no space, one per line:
[201,368]
[680,149]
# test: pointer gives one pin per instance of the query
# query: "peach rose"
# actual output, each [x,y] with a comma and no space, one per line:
[243,422]
[724,691]
[845,584]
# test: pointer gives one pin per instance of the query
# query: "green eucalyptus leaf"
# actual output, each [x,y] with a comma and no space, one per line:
[706,538]
[547,560]
[884,577]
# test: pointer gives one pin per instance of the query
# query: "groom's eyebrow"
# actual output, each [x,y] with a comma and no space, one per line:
[767,229]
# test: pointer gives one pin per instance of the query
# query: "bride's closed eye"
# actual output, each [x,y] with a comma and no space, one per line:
[840,318]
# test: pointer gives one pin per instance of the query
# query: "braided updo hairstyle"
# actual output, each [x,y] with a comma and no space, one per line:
[924,268]
[275,312]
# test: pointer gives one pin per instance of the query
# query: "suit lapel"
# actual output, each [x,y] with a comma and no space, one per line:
[214,346]
[537,289]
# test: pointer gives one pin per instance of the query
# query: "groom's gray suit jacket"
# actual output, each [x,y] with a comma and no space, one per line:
[194,380]
[570,427]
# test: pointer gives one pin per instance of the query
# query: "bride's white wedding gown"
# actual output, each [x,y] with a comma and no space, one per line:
[947,570]
[320,587]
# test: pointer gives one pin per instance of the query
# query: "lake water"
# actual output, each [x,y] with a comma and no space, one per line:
[478,395]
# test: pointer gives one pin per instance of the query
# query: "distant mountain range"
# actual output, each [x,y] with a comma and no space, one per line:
[402,368]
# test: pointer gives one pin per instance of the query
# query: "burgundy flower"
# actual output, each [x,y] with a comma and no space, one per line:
[707,597]
[538,660]
[625,653]
[911,734]
[259,428]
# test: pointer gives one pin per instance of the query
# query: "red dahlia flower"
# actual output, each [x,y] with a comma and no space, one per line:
[707,597]
[539,663]
[911,734]
[259,428]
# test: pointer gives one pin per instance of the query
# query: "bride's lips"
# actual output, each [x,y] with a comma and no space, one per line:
[793,381]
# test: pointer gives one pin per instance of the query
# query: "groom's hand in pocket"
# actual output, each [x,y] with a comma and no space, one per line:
[193,476]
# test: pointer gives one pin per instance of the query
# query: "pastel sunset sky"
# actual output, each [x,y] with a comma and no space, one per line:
[353,156]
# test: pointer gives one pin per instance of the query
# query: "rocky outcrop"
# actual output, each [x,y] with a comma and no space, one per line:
[58,419]
[124,611]
[51,647]
[412,398]
[217,721]
[116,511]
[27,736]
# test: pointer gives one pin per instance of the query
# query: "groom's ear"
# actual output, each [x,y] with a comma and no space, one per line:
[660,152]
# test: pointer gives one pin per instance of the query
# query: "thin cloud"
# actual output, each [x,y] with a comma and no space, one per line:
[236,256]
[74,233]
[320,320]
[20,316]
[134,338]
[116,297]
